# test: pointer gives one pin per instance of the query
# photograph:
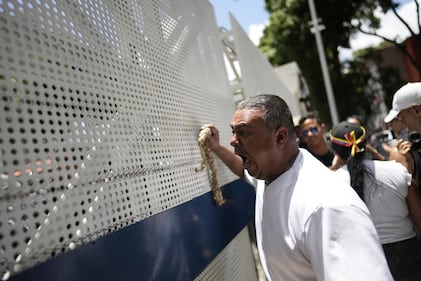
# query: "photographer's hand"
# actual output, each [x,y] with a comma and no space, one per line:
[402,154]
[403,147]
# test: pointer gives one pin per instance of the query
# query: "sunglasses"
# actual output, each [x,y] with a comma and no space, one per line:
[313,131]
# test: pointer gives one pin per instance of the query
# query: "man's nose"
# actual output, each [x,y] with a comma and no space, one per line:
[234,140]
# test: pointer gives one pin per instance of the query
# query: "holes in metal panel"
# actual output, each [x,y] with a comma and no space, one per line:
[98,118]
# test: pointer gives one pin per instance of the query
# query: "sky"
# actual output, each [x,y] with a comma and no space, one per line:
[252,17]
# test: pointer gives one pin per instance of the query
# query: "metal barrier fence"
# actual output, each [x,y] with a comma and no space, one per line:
[101,103]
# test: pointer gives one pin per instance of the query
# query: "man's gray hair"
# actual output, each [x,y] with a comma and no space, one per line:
[276,111]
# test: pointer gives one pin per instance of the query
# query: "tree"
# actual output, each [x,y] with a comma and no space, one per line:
[288,38]
[372,24]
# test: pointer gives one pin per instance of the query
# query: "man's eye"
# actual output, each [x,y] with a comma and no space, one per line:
[242,134]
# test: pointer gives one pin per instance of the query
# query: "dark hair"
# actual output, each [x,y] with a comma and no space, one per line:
[343,147]
[348,138]
[356,172]
[276,111]
[310,115]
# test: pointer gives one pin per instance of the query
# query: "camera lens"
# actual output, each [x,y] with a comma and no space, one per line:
[415,139]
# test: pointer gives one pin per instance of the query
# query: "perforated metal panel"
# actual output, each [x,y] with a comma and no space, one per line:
[257,75]
[101,103]
[234,263]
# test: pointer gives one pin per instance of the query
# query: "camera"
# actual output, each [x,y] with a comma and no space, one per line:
[415,139]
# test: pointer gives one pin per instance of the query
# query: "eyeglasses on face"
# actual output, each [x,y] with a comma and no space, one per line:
[313,131]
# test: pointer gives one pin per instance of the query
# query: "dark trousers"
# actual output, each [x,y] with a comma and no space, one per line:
[404,259]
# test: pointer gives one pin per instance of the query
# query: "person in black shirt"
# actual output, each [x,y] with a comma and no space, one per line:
[312,134]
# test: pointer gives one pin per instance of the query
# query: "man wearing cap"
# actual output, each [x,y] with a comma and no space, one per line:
[406,106]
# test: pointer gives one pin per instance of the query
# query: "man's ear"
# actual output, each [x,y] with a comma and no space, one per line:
[281,135]
[417,108]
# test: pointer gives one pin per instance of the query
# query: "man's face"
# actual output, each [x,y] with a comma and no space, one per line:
[311,132]
[396,125]
[254,143]
[409,119]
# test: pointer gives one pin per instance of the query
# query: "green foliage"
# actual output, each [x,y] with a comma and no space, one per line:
[288,38]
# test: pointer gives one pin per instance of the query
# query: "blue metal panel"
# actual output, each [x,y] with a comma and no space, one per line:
[173,245]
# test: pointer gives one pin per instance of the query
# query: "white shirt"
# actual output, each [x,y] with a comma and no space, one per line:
[385,196]
[312,226]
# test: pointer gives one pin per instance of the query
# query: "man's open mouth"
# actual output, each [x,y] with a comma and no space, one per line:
[246,160]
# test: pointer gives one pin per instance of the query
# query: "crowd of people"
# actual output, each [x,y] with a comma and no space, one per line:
[329,205]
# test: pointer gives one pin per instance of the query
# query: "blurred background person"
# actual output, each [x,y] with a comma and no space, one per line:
[395,131]
[313,137]
[372,151]
[384,186]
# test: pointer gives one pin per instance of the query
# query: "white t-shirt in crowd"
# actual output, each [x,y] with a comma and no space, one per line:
[312,226]
[384,194]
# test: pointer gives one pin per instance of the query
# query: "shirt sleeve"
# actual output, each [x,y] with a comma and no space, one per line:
[400,178]
[342,244]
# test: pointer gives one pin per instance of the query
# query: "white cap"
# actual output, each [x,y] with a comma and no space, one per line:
[404,98]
